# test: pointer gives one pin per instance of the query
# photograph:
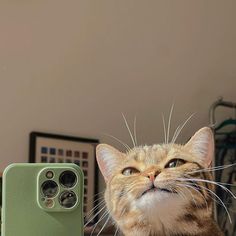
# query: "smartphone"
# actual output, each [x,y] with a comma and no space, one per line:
[42,200]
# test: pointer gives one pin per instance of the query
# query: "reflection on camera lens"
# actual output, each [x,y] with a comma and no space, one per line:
[49,188]
[68,199]
[68,179]
[49,174]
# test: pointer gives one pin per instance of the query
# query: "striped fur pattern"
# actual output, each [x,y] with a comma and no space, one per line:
[161,189]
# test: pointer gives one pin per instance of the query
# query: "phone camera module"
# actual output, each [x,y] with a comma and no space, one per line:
[68,199]
[49,188]
[68,179]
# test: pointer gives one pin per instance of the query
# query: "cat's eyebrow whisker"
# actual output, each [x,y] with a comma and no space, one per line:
[164,128]
[127,126]
[135,133]
[169,122]
[181,128]
[173,138]
[128,148]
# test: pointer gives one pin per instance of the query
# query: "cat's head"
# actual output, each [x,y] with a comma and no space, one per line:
[156,182]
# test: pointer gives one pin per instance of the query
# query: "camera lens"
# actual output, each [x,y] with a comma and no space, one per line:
[68,199]
[68,179]
[49,188]
[49,174]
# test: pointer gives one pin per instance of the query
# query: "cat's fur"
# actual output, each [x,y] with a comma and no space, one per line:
[172,208]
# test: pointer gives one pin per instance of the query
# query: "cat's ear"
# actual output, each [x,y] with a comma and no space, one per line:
[202,146]
[108,158]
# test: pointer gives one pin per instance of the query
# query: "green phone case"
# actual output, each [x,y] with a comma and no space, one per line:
[26,213]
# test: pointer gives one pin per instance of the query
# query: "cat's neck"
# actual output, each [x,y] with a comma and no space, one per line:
[193,224]
[211,229]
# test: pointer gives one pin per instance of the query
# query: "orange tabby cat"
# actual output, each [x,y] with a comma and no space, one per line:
[161,189]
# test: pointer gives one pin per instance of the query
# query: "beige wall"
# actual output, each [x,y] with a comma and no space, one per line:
[73,67]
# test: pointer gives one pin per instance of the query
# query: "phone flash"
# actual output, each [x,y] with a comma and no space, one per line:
[49,203]
[49,174]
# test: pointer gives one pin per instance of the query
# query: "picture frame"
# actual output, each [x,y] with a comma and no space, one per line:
[56,148]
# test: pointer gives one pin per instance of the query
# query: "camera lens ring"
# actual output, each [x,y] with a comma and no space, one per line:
[68,179]
[68,199]
[49,188]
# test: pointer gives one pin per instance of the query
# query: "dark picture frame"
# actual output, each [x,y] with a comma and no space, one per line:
[56,148]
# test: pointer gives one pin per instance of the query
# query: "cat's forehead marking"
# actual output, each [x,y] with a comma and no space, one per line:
[148,154]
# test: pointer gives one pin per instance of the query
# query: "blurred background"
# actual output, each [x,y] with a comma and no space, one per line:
[73,67]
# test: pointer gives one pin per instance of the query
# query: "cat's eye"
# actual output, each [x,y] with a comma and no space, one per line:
[130,171]
[175,163]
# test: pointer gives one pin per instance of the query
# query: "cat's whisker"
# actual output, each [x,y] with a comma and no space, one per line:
[96,206]
[164,128]
[135,133]
[127,126]
[220,201]
[102,192]
[216,168]
[90,220]
[215,196]
[182,126]
[181,193]
[117,230]
[207,192]
[177,129]
[97,199]
[169,122]
[195,184]
[108,218]
[191,195]
[101,218]
[116,225]
[201,194]
[101,198]
[90,213]
[128,148]
[203,197]
[215,183]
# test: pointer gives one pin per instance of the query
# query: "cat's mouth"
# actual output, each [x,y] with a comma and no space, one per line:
[157,189]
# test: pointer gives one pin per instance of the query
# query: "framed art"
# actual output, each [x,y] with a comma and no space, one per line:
[54,148]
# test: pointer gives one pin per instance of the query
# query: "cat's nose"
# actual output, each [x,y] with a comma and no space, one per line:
[153,176]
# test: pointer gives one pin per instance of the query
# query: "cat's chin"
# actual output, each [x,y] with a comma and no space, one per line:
[155,194]
[157,204]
